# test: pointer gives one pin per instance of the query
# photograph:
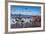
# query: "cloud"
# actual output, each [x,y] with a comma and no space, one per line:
[25,13]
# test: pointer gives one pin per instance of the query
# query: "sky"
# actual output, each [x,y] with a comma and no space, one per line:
[26,10]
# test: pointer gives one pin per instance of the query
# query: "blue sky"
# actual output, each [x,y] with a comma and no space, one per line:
[27,10]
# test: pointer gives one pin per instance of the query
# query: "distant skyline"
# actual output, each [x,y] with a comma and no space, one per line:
[26,10]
